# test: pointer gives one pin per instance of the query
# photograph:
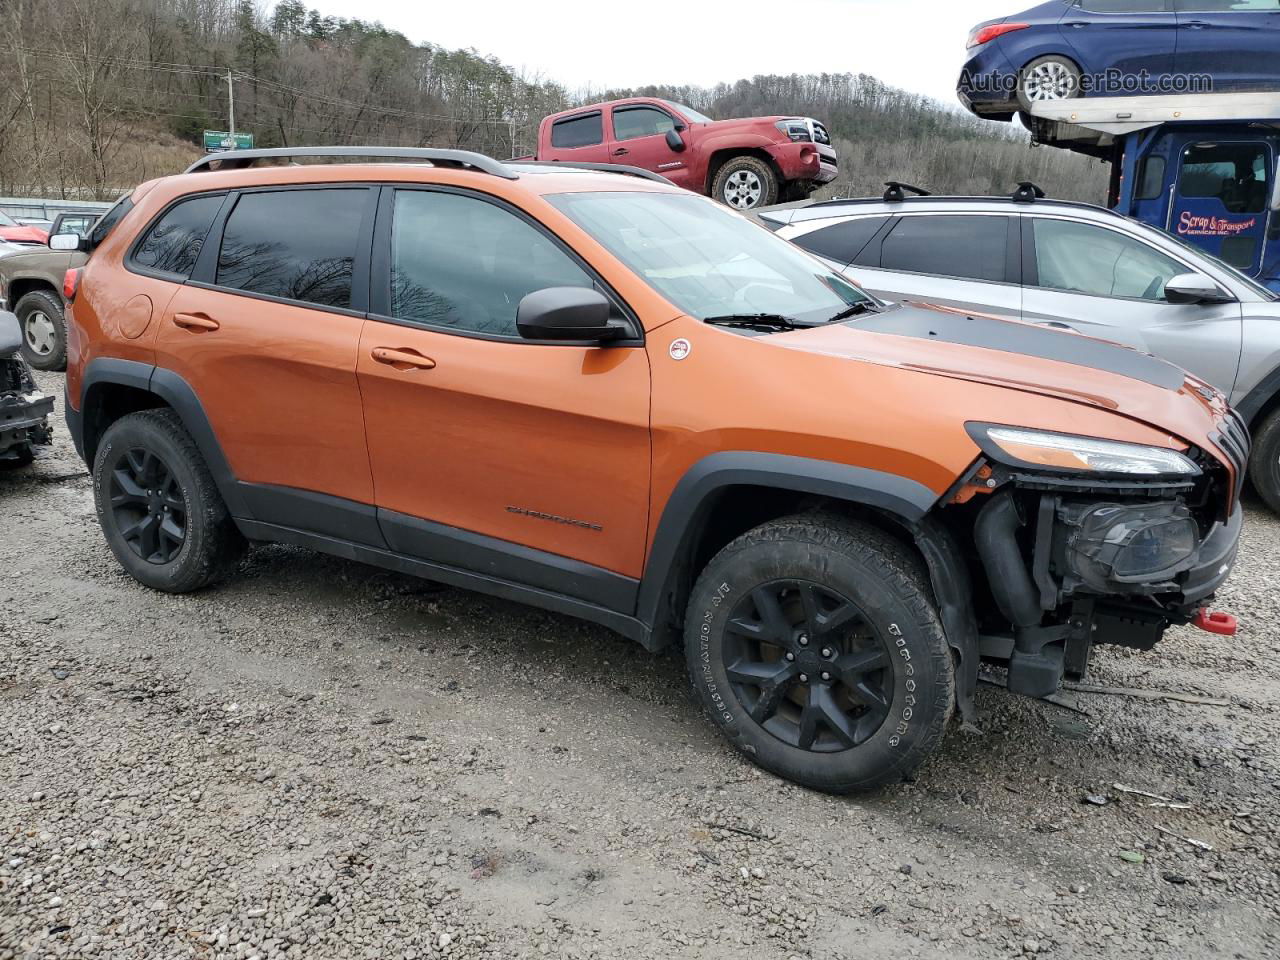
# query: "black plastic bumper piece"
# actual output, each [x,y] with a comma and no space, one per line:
[1216,558]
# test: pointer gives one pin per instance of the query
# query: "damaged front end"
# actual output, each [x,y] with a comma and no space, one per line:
[1135,540]
[24,410]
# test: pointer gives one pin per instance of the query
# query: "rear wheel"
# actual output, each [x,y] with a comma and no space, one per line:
[1048,78]
[814,645]
[159,507]
[1264,464]
[745,183]
[44,330]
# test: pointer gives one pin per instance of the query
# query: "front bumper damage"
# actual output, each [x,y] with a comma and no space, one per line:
[1069,567]
[24,410]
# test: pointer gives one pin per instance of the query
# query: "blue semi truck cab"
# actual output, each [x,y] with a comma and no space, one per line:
[1201,167]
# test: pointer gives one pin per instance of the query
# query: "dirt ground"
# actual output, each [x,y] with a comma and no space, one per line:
[318,759]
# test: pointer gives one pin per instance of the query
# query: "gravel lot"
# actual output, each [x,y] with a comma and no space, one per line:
[319,759]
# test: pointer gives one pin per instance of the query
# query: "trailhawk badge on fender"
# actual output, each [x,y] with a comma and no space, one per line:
[680,349]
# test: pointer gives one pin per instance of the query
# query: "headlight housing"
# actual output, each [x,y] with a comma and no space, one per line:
[1066,453]
[796,130]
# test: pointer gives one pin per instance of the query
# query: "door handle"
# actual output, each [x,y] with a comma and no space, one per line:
[402,358]
[621,152]
[195,321]
[1056,324]
[1078,24]
[1195,24]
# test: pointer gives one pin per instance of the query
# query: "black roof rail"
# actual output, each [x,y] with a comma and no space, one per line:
[1027,192]
[603,167]
[896,192]
[238,159]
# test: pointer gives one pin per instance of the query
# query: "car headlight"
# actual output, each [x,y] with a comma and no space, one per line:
[796,130]
[1038,449]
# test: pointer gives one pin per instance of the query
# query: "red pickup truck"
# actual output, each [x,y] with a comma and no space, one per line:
[745,163]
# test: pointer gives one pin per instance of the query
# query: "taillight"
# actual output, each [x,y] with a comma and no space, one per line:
[70,284]
[987,34]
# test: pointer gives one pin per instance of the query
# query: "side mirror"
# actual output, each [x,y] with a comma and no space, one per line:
[674,140]
[566,313]
[1195,288]
[68,241]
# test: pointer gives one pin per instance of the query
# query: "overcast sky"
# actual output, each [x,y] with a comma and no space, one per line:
[915,44]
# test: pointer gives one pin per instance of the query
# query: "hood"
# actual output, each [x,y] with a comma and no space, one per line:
[1027,358]
[23,235]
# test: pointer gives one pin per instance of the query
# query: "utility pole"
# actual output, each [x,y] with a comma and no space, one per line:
[231,108]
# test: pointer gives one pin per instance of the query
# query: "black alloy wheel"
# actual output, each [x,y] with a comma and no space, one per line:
[148,506]
[807,666]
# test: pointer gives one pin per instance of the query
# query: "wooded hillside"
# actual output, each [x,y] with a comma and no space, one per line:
[96,95]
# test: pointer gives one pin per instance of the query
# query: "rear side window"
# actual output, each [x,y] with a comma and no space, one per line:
[173,245]
[1125,6]
[841,242]
[585,130]
[293,244]
[965,247]
[109,221]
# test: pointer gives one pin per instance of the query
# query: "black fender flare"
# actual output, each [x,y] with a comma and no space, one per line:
[908,503]
[177,394]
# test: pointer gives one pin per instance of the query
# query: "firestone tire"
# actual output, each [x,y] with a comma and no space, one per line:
[44,330]
[159,507]
[844,680]
[745,183]
[1264,464]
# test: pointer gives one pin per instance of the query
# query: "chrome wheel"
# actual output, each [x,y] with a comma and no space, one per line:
[41,333]
[1050,80]
[743,190]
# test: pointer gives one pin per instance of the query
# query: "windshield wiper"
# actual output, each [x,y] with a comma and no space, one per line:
[862,306]
[755,321]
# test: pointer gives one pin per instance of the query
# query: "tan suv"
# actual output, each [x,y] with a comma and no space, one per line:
[598,393]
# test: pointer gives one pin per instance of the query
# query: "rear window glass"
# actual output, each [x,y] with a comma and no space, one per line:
[964,247]
[293,244]
[841,242]
[173,245]
[582,131]
[109,220]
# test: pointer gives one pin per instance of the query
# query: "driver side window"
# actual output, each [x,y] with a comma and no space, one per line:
[1080,258]
[466,263]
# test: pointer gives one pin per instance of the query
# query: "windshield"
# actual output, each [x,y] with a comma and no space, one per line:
[7,221]
[708,261]
[692,115]
[1236,275]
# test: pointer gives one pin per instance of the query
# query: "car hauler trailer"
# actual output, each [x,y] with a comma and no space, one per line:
[1201,166]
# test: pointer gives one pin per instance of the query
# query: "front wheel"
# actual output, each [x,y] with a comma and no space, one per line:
[814,645]
[1264,464]
[745,183]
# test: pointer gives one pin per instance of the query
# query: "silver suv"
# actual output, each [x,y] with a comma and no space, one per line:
[1066,265]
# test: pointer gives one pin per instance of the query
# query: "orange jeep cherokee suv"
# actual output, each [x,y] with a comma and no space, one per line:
[606,396]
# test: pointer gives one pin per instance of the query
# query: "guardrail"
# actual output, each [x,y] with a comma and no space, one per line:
[35,207]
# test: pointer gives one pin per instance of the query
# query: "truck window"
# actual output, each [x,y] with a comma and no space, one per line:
[1151,180]
[965,247]
[1235,173]
[632,122]
[584,130]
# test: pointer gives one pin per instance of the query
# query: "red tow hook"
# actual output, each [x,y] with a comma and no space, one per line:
[1223,624]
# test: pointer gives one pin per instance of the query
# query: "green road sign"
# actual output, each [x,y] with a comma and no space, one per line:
[216,141]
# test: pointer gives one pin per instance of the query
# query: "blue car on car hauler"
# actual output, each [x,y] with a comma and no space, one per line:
[1201,168]
[1081,48]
